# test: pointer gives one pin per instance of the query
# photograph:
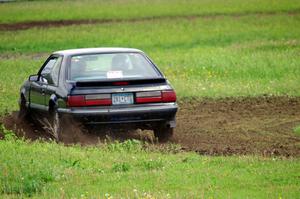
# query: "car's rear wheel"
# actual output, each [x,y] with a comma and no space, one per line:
[56,125]
[163,132]
[64,128]
[23,110]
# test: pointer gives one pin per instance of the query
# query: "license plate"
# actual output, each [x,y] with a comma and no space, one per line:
[122,98]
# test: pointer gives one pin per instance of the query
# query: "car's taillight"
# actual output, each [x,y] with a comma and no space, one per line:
[98,100]
[155,96]
[141,100]
[148,97]
[89,100]
[76,100]
[169,96]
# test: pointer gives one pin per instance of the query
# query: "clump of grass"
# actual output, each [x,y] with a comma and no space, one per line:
[126,146]
[189,159]
[7,134]
[71,163]
[152,164]
[162,148]
[297,130]
[121,167]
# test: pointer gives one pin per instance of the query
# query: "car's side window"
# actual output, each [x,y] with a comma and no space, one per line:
[50,72]
[55,71]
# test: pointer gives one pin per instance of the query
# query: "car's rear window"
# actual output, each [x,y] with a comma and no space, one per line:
[111,66]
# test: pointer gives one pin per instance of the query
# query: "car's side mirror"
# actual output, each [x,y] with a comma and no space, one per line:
[43,79]
[33,78]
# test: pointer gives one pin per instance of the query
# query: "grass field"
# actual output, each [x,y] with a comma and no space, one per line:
[221,49]
[128,170]
[127,9]
[212,57]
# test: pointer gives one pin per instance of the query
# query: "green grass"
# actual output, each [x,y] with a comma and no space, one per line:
[51,170]
[297,130]
[126,9]
[211,57]
[263,33]
[13,73]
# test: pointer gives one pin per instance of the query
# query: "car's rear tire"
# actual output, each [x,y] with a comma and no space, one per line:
[64,128]
[163,132]
[56,125]
[23,110]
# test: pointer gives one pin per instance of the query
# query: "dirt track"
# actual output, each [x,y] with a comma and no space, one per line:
[230,126]
[241,126]
[62,23]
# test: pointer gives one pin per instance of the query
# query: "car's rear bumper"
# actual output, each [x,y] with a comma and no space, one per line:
[144,113]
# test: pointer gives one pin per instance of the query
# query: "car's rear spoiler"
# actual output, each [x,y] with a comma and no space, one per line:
[117,82]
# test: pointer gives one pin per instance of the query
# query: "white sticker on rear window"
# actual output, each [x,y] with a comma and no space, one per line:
[114,74]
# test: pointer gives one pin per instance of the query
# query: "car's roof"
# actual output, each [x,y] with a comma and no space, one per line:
[71,52]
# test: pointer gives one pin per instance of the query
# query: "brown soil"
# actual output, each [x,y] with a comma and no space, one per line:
[232,126]
[59,23]
[240,126]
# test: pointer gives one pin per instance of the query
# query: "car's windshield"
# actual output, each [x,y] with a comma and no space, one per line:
[111,66]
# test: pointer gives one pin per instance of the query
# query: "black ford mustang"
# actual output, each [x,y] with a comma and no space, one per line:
[102,86]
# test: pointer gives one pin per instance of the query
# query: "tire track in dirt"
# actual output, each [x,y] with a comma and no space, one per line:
[59,23]
[261,125]
[230,126]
